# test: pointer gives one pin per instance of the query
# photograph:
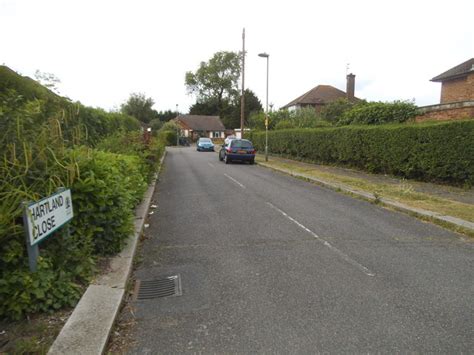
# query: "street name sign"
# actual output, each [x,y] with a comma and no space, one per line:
[46,216]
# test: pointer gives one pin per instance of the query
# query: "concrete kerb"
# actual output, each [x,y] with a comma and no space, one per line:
[88,328]
[371,197]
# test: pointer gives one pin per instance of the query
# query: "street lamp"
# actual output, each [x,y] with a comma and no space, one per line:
[177,127]
[266,55]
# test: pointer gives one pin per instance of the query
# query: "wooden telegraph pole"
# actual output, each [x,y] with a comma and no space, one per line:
[242,98]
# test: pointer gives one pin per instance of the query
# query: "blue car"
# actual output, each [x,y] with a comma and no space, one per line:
[237,150]
[204,145]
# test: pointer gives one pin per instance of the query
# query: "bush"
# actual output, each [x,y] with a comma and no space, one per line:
[134,143]
[107,189]
[40,152]
[379,113]
[167,133]
[302,118]
[283,119]
[432,152]
[334,111]
[64,264]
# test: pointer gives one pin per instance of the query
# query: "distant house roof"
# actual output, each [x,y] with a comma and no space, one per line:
[456,72]
[321,94]
[201,123]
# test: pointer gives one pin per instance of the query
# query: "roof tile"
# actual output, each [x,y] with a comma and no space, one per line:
[321,94]
[457,71]
[202,123]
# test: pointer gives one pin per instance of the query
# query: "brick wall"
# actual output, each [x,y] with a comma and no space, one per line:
[460,113]
[458,89]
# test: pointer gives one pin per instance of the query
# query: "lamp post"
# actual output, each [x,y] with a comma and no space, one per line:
[177,127]
[266,55]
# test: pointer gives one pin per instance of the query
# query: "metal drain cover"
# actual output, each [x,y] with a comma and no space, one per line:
[166,287]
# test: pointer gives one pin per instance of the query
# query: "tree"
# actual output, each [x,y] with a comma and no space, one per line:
[156,124]
[230,110]
[205,107]
[167,115]
[140,107]
[252,105]
[216,79]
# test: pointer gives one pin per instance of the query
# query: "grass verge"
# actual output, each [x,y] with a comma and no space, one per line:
[402,192]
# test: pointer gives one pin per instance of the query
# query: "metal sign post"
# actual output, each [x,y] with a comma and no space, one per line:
[42,218]
[33,250]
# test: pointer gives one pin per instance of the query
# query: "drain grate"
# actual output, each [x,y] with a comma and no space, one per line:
[166,287]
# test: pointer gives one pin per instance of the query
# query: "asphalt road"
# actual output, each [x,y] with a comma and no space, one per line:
[273,264]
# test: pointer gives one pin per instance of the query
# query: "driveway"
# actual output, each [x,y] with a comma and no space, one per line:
[273,264]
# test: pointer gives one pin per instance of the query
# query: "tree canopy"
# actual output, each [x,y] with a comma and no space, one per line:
[216,79]
[140,107]
[229,110]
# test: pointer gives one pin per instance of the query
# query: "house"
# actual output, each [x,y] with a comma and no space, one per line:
[322,95]
[195,126]
[457,84]
[457,95]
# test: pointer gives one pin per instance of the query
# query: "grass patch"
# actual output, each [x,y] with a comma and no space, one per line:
[31,336]
[402,192]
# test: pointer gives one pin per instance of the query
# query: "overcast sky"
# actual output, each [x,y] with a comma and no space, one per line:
[104,50]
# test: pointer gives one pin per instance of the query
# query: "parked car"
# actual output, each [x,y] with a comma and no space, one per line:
[228,138]
[237,150]
[204,144]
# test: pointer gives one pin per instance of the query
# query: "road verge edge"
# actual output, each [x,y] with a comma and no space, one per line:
[458,224]
[88,328]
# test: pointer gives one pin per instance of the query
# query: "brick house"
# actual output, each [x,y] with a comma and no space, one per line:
[457,84]
[195,126]
[457,95]
[322,95]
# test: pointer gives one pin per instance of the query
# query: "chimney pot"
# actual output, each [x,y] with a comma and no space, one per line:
[350,87]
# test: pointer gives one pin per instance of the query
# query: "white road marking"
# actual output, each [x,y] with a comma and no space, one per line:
[238,183]
[211,165]
[325,243]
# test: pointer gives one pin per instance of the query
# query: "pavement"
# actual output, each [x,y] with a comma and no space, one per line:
[273,264]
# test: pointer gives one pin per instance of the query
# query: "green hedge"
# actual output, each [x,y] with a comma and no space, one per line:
[108,187]
[432,152]
[42,150]
[378,113]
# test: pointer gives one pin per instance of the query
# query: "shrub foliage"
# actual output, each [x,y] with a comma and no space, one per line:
[47,143]
[377,113]
[433,152]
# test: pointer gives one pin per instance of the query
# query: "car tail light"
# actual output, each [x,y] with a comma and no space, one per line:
[228,150]
[253,151]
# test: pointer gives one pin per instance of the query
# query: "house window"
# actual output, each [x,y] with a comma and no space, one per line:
[216,135]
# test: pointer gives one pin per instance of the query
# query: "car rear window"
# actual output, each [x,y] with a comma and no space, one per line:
[205,140]
[241,144]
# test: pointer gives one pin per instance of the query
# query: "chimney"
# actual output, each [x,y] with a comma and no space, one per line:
[350,88]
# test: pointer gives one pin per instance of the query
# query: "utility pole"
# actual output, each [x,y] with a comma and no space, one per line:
[242,98]
[267,56]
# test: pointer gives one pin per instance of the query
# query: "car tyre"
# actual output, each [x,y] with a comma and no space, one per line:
[220,157]
[226,159]
[252,161]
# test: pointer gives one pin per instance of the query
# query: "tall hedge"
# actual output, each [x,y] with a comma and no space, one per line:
[432,152]
[45,145]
